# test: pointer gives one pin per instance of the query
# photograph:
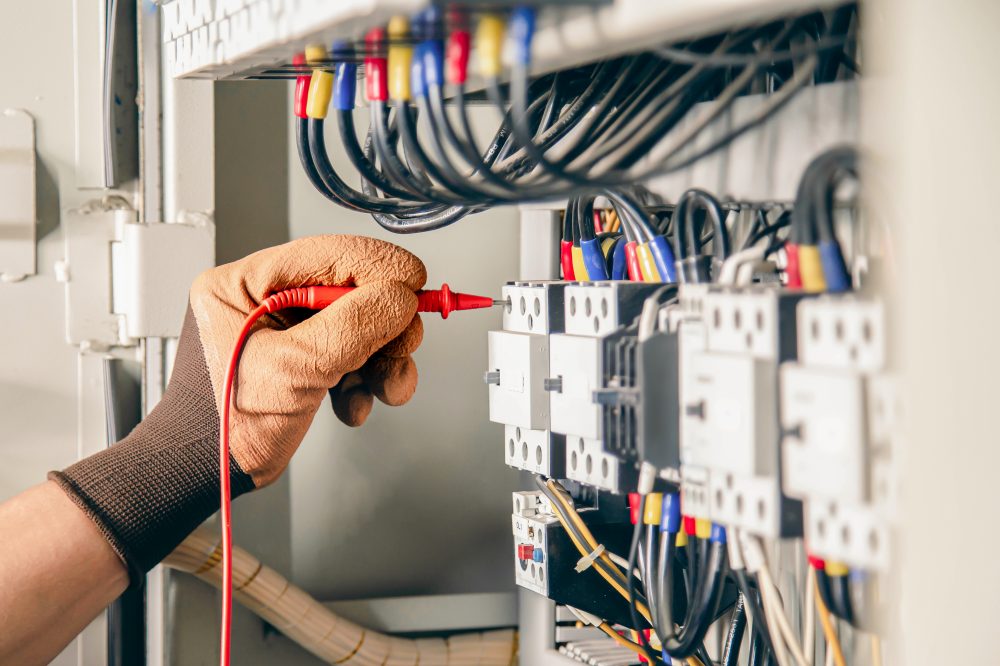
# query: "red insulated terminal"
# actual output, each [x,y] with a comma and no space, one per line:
[817,563]
[457,57]
[301,87]
[792,269]
[525,552]
[632,262]
[690,525]
[566,259]
[443,300]
[376,70]
[634,501]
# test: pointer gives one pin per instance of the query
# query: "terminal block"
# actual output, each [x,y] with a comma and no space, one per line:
[839,422]
[732,342]
[545,557]
[533,307]
[599,308]
[588,462]
[536,451]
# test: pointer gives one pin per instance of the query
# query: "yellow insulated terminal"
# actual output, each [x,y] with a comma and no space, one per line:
[320,91]
[579,268]
[489,45]
[836,569]
[400,58]
[682,539]
[702,528]
[315,53]
[811,269]
[647,263]
[653,509]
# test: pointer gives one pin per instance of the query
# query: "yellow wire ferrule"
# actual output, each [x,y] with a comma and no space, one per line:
[315,53]
[682,539]
[489,45]
[607,245]
[400,57]
[653,509]
[579,268]
[811,269]
[320,91]
[647,263]
[836,569]
[702,528]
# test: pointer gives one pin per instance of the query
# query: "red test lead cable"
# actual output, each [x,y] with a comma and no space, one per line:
[443,300]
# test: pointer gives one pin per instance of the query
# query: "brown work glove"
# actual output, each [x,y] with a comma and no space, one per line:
[150,490]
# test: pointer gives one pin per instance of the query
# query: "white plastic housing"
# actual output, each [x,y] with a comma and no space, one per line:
[576,360]
[825,450]
[591,309]
[532,450]
[528,524]
[742,323]
[528,308]
[587,462]
[842,332]
[522,361]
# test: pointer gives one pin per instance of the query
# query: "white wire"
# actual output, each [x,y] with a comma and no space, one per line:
[779,617]
[730,271]
[809,641]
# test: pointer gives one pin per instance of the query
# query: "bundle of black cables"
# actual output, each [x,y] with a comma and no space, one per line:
[574,133]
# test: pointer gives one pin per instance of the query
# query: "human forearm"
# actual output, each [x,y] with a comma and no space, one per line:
[57,572]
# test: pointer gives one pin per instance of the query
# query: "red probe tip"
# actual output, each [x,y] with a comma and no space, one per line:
[446,301]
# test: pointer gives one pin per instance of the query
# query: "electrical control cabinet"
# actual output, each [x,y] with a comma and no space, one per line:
[838,419]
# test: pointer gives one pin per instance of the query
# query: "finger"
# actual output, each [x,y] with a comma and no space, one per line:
[352,401]
[324,260]
[392,380]
[340,338]
[406,342]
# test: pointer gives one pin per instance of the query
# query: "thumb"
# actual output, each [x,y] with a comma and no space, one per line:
[341,337]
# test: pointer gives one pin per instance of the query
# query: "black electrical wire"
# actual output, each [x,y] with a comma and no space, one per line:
[840,594]
[734,637]
[680,55]
[633,554]
[365,167]
[755,610]
[609,120]
[650,578]
[761,232]
[332,181]
[703,606]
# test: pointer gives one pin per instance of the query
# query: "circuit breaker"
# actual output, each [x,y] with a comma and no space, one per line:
[588,389]
[518,367]
[732,345]
[839,418]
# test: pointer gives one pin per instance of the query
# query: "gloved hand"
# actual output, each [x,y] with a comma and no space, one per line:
[147,492]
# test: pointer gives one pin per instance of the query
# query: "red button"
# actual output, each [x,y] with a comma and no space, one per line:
[525,551]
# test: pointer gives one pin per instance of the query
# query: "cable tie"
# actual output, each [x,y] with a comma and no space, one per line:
[586,561]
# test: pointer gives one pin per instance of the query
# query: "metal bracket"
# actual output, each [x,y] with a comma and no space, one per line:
[18,218]
[125,280]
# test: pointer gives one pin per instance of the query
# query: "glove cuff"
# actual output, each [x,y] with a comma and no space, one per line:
[150,490]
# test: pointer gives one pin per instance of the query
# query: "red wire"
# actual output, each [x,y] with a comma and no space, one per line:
[225,495]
